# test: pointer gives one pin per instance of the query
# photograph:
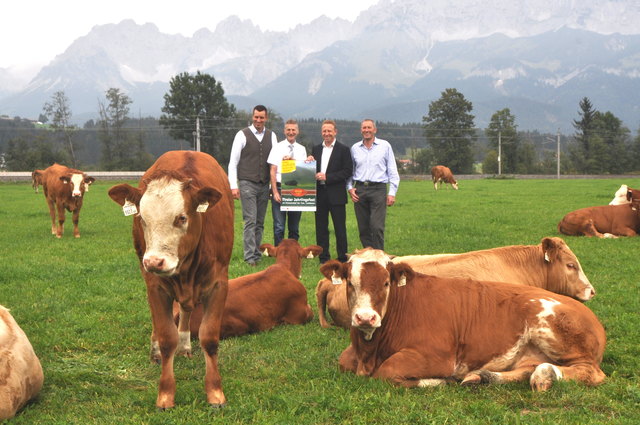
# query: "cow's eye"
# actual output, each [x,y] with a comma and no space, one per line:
[181,220]
[386,284]
[571,266]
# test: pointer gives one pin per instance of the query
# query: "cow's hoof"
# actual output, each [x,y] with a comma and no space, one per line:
[479,377]
[218,405]
[544,376]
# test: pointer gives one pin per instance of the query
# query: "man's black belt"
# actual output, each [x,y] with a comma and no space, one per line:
[358,183]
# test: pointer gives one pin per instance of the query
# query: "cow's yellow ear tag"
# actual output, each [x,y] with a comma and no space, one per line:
[129,208]
[335,279]
[402,281]
[202,207]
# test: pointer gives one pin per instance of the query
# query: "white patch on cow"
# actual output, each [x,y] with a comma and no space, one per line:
[184,343]
[425,383]
[363,307]
[547,307]
[161,203]
[77,180]
[588,292]
[509,358]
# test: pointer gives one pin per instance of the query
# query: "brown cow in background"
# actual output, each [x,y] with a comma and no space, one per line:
[441,174]
[606,221]
[36,179]
[263,300]
[21,374]
[64,188]
[183,236]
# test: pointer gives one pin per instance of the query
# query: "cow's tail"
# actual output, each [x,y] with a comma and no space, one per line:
[321,299]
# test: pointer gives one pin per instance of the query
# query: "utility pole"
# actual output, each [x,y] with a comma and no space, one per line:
[197,134]
[499,153]
[558,153]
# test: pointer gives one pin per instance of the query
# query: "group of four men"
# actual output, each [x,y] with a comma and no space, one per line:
[363,171]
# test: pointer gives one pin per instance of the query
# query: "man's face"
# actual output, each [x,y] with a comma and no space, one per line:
[259,118]
[291,132]
[328,133]
[368,130]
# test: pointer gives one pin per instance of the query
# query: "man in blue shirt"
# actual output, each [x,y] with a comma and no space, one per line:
[374,166]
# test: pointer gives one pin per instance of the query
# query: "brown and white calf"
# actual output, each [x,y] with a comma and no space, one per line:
[441,174]
[606,221]
[21,374]
[183,236]
[417,330]
[64,188]
[262,300]
[550,265]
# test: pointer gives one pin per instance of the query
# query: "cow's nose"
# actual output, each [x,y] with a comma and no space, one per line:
[367,319]
[153,264]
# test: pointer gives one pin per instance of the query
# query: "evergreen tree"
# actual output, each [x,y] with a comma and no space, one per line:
[503,131]
[449,131]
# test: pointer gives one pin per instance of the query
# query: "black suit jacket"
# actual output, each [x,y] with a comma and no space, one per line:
[339,170]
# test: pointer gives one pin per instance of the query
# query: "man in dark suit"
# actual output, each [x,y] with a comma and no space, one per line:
[333,168]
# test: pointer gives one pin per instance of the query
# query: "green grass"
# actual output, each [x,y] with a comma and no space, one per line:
[82,303]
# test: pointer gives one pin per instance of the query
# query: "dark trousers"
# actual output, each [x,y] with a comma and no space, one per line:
[339,218]
[280,220]
[371,213]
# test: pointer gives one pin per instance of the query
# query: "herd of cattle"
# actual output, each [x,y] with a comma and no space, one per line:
[506,314]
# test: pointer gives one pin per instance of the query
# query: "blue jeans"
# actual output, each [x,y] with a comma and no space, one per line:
[254,198]
[280,219]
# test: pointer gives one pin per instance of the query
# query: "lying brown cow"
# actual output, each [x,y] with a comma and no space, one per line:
[606,221]
[551,265]
[21,374]
[441,174]
[417,330]
[183,236]
[64,188]
[262,300]
[36,179]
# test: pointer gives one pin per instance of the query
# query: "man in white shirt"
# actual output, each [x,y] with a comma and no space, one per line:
[286,149]
[249,176]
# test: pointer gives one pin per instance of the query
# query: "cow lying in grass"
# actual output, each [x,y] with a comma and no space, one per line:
[261,300]
[550,265]
[21,374]
[606,221]
[417,330]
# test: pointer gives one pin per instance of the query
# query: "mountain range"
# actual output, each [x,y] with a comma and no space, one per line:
[536,58]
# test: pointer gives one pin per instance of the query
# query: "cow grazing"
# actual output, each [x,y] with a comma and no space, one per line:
[21,374]
[36,179]
[331,296]
[441,174]
[183,236]
[606,221]
[265,299]
[64,188]
[625,195]
[417,330]
[550,265]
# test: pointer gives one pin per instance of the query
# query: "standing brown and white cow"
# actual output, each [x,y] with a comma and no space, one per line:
[550,265]
[263,300]
[183,236]
[441,174]
[64,188]
[418,330]
[21,374]
[605,221]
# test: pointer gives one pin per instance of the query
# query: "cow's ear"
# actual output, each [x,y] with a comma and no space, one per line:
[89,180]
[65,179]
[310,251]
[400,273]
[629,195]
[123,192]
[205,198]
[550,249]
[268,250]
[332,269]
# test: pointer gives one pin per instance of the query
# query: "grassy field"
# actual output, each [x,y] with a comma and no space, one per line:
[82,303]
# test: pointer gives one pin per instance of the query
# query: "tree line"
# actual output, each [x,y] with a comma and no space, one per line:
[197,113]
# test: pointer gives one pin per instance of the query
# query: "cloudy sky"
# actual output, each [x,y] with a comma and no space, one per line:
[33,32]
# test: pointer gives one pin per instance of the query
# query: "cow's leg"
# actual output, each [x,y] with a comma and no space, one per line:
[76,218]
[546,374]
[348,361]
[591,230]
[299,313]
[485,376]
[165,335]
[209,335]
[406,368]
[52,214]
[184,333]
[61,218]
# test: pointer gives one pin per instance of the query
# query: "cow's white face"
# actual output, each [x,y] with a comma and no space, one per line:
[77,185]
[620,197]
[165,222]
[368,286]
[565,274]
